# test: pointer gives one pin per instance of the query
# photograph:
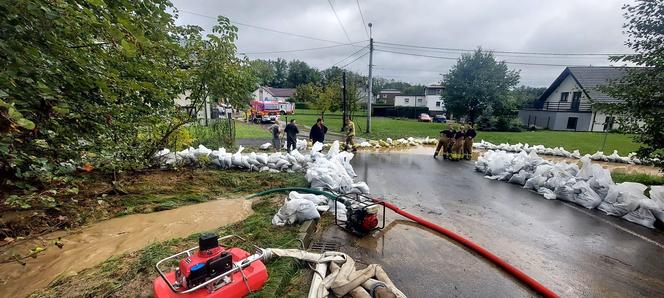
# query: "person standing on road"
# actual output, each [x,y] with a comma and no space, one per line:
[468,142]
[457,148]
[291,135]
[446,137]
[318,131]
[276,132]
[350,134]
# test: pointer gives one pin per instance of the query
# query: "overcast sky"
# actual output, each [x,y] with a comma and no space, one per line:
[562,26]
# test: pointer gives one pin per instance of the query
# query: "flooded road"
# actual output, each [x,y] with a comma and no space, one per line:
[94,244]
[574,251]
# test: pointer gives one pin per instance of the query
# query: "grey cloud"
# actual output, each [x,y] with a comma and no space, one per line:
[590,26]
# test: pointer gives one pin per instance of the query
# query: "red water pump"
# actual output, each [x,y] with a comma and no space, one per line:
[210,270]
[361,213]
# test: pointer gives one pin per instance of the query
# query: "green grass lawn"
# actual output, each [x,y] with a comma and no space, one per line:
[586,142]
[245,130]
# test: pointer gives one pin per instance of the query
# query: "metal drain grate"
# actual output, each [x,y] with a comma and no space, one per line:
[323,246]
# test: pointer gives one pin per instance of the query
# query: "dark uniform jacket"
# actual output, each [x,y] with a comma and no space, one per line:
[459,135]
[471,133]
[448,133]
[291,131]
[317,134]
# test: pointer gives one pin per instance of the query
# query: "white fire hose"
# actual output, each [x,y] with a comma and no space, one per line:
[343,278]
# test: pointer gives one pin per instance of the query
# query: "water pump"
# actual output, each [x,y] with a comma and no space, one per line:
[210,270]
[361,213]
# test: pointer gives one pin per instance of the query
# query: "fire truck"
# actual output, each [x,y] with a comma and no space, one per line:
[264,111]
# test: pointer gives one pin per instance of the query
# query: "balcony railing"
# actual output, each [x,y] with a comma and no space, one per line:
[560,107]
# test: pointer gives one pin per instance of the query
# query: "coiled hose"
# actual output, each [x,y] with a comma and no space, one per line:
[516,273]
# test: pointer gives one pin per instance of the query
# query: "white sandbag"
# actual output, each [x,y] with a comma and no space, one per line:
[641,216]
[585,196]
[361,187]
[520,178]
[201,151]
[317,147]
[295,211]
[316,199]
[547,193]
[264,169]
[334,149]
[344,158]
[265,146]
[262,158]
[565,191]
[623,198]
[340,209]
[657,197]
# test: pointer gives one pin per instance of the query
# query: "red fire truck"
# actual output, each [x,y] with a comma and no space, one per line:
[264,111]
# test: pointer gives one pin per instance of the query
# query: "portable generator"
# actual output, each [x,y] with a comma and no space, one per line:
[361,213]
[211,270]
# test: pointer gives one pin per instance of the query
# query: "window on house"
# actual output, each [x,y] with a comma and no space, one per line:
[608,123]
[576,96]
[563,96]
[419,100]
[438,103]
[406,100]
[571,122]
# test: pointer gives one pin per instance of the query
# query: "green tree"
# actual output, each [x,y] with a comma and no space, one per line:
[280,73]
[307,93]
[300,73]
[328,99]
[263,70]
[524,95]
[476,82]
[642,89]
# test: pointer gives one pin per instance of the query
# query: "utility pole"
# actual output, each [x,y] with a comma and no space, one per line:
[370,80]
[345,102]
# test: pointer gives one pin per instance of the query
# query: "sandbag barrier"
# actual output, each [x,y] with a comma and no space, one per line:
[561,152]
[590,186]
[382,144]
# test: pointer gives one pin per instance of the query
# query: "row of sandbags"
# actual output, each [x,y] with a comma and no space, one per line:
[401,142]
[590,186]
[560,151]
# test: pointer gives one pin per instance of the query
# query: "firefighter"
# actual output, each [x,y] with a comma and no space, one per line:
[468,142]
[457,148]
[444,141]
[350,134]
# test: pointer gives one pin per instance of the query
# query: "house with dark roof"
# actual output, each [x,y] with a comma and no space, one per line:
[265,93]
[570,102]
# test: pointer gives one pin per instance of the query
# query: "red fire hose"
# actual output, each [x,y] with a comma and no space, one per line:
[518,274]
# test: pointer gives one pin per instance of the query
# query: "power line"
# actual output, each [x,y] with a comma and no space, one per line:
[403,48]
[364,23]
[351,55]
[267,29]
[502,52]
[453,58]
[349,63]
[300,50]
[338,20]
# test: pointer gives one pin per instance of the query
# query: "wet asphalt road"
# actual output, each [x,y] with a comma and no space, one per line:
[574,251]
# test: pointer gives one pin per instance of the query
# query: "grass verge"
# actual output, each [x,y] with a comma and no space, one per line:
[585,142]
[134,272]
[250,131]
[619,177]
[146,192]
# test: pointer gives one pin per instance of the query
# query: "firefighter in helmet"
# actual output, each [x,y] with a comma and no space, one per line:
[468,141]
[457,148]
[444,142]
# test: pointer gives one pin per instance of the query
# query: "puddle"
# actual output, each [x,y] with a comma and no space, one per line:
[94,244]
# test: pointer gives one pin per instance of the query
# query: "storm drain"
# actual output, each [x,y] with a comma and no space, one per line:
[323,246]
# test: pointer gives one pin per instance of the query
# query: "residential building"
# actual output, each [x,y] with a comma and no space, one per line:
[430,99]
[265,93]
[433,98]
[410,101]
[570,102]
[386,96]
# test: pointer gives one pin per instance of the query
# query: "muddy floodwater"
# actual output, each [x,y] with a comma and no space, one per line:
[574,251]
[94,244]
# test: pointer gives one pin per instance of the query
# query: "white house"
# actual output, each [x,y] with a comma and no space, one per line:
[265,93]
[568,104]
[410,101]
[430,99]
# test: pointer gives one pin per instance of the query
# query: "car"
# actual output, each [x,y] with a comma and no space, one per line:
[424,118]
[439,119]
